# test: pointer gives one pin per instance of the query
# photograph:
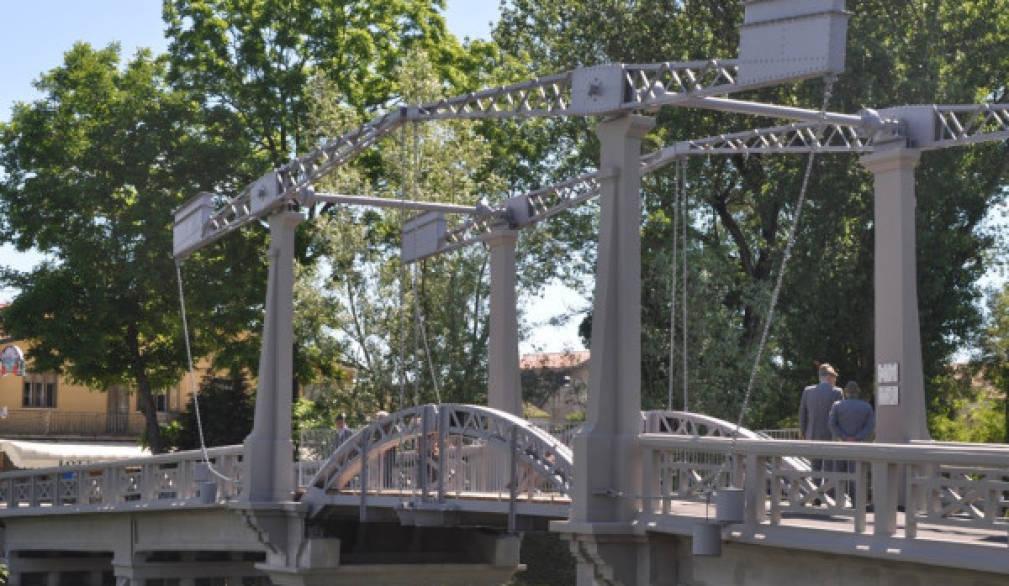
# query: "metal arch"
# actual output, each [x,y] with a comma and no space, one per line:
[697,424]
[544,454]
[687,423]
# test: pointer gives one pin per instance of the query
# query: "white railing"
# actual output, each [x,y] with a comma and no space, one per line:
[165,479]
[941,486]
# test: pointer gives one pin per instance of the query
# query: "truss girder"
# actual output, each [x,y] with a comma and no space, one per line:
[965,124]
[645,86]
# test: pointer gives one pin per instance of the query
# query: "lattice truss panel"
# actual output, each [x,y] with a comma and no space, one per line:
[665,82]
[472,437]
[545,96]
[542,203]
[975,496]
[967,124]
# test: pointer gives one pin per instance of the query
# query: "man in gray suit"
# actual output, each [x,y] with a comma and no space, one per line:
[814,409]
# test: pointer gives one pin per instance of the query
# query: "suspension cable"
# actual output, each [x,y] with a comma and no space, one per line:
[828,91]
[192,380]
[402,275]
[686,216]
[672,288]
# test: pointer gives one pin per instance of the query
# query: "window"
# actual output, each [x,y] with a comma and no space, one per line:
[38,394]
[160,402]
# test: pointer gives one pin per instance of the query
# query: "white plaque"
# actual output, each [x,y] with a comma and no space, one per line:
[888,395]
[887,373]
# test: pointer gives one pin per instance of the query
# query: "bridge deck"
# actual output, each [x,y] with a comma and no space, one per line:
[940,545]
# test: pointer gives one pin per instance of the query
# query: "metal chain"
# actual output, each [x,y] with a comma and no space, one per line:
[828,92]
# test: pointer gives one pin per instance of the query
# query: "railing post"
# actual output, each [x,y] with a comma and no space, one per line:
[443,422]
[861,488]
[884,495]
[650,487]
[365,439]
[911,490]
[425,428]
[513,482]
[754,485]
[776,491]
[665,479]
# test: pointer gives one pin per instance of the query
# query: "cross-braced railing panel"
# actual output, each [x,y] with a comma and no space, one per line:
[162,480]
[976,496]
[450,450]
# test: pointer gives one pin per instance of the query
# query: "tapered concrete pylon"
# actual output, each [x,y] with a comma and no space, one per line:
[899,384]
[606,452]
[269,451]
[504,388]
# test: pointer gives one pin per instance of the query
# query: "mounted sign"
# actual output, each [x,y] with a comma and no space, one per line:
[423,236]
[887,373]
[12,361]
[888,395]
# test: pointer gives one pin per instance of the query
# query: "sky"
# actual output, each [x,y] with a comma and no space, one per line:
[38,32]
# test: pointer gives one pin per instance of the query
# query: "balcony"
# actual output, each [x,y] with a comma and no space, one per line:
[51,423]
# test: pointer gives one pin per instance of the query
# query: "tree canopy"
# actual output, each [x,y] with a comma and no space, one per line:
[93,171]
[898,52]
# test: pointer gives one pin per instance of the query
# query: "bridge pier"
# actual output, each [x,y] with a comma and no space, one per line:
[900,385]
[504,388]
[607,477]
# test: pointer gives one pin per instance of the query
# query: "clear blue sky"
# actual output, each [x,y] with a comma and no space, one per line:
[37,32]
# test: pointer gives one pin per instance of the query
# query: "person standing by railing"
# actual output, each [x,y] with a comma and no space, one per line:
[851,420]
[342,431]
[814,410]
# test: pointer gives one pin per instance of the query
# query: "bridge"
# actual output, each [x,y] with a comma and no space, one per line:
[439,494]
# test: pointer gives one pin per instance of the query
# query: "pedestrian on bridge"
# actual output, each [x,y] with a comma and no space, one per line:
[343,433]
[851,420]
[814,410]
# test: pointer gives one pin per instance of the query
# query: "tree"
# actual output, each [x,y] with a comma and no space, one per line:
[994,358]
[93,172]
[227,408]
[399,347]
[257,57]
[741,207]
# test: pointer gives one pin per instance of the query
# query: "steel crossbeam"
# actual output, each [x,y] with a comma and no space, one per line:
[603,90]
[793,138]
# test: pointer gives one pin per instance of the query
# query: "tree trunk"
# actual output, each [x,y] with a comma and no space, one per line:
[145,398]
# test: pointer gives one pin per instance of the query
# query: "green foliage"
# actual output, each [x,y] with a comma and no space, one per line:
[979,418]
[994,345]
[93,172]
[741,207]
[227,408]
[257,57]
[575,417]
[407,334]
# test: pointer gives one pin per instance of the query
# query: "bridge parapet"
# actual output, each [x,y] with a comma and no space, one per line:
[954,496]
[162,481]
